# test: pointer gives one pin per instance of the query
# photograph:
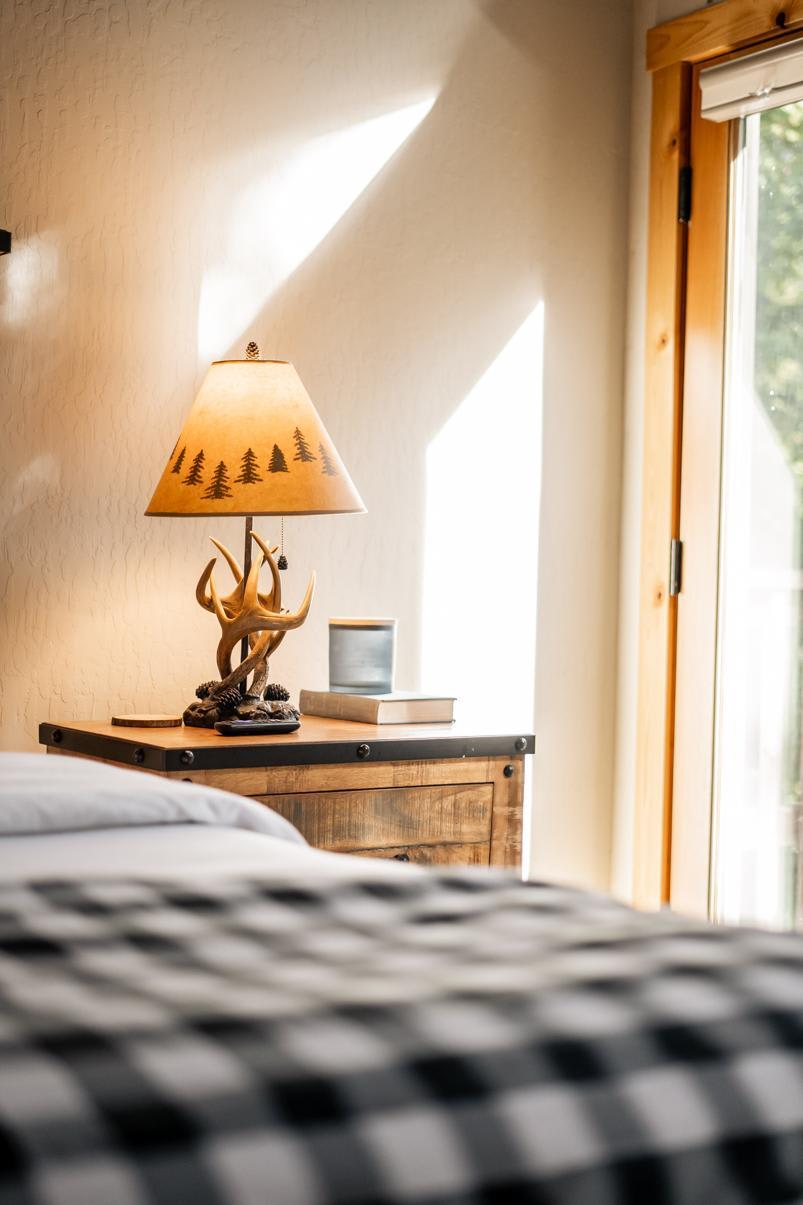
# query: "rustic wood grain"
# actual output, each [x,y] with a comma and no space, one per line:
[507,812]
[313,730]
[346,820]
[432,855]
[287,780]
[660,486]
[719,29]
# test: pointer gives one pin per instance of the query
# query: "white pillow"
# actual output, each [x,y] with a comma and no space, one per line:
[48,794]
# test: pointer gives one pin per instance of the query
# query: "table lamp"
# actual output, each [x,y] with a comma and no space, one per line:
[252,444]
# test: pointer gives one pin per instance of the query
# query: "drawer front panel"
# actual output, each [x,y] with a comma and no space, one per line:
[432,855]
[367,775]
[359,820]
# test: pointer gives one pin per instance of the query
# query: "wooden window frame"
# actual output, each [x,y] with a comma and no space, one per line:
[675,50]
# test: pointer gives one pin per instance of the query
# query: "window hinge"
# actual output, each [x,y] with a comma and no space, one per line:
[675,567]
[684,194]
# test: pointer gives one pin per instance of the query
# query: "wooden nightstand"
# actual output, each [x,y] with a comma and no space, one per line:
[415,792]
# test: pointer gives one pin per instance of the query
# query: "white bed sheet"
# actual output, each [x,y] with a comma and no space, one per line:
[164,850]
[72,818]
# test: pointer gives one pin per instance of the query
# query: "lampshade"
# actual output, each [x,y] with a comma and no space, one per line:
[254,444]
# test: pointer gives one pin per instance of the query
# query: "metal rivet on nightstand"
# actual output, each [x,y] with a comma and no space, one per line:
[363,751]
[56,736]
[521,744]
[187,757]
[509,771]
[138,756]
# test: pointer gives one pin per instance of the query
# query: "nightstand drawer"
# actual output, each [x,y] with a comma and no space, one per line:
[433,855]
[379,819]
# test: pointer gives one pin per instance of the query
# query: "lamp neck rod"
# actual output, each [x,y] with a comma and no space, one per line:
[249,526]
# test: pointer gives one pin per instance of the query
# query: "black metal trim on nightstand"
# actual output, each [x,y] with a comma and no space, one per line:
[234,755]
[110,748]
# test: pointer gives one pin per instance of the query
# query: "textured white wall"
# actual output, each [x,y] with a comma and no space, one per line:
[183,176]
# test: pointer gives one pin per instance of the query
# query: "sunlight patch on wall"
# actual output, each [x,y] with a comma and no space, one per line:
[31,285]
[481,540]
[283,215]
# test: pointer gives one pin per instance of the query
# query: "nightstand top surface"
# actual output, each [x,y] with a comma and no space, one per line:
[316,741]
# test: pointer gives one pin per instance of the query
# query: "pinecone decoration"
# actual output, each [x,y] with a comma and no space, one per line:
[282,562]
[275,693]
[229,698]
[252,351]
[205,689]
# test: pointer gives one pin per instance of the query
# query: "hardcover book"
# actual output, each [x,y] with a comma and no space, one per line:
[400,707]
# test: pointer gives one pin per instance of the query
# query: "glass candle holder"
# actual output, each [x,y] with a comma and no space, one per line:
[362,656]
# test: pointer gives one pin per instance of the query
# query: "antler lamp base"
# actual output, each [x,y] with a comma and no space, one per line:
[210,708]
[257,620]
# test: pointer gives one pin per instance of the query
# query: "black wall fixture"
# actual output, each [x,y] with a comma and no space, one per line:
[5,242]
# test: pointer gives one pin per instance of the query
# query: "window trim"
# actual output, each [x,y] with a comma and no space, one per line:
[719,29]
[674,50]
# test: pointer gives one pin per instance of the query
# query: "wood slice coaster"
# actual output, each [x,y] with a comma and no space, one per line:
[147,721]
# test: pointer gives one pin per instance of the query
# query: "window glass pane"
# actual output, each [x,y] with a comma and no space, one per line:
[757,787]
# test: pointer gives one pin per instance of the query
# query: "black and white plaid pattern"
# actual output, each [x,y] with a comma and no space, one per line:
[451,1037]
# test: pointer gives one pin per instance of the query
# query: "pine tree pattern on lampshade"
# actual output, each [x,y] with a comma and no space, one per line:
[249,469]
[302,448]
[326,464]
[278,464]
[244,408]
[219,485]
[195,475]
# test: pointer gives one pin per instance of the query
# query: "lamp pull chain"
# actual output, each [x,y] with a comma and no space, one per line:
[282,561]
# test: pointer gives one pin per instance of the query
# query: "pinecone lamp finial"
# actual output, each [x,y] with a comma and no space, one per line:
[252,351]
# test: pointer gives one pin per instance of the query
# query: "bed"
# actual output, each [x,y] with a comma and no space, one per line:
[197,1007]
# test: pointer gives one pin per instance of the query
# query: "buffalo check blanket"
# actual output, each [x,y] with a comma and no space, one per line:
[444,1037]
